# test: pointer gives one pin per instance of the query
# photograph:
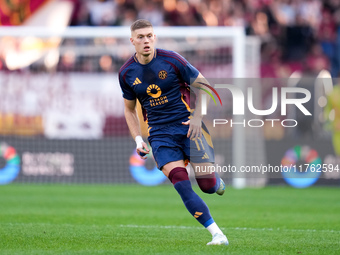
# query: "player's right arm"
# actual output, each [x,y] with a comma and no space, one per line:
[132,121]
[130,113]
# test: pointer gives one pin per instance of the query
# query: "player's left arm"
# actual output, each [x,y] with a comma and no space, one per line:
[195,128]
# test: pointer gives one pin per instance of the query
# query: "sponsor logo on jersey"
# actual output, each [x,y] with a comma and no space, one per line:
[154,91]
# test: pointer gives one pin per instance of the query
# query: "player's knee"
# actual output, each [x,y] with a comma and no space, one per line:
[178,174]
[207,183]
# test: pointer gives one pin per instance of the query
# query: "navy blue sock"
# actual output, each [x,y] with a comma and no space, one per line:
[194,204]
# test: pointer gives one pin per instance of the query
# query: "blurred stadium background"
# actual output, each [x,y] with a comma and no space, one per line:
[61,110]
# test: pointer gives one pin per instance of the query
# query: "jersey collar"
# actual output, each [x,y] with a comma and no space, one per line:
[154,56]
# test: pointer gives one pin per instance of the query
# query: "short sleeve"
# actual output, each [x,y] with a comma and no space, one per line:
[187,70]
[127,91]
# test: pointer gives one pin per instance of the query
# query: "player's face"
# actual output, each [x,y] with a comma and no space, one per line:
[143,39]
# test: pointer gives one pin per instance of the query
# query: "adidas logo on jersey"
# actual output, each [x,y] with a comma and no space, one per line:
[137,81]
[205,156]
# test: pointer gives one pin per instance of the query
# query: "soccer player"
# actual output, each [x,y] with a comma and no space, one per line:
[156,77]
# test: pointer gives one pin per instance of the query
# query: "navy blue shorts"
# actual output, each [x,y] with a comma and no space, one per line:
[170,143]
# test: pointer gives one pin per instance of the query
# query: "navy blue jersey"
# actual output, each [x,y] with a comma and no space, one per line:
[157,85]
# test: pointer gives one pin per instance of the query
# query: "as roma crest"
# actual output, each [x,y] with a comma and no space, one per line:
[162,74]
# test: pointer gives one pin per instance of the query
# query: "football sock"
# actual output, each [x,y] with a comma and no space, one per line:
[209,183]
[194,204]
[214,229]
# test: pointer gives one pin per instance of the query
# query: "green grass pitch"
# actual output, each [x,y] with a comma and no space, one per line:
[132,219]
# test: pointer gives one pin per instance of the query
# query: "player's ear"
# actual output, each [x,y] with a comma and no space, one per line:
[131,40]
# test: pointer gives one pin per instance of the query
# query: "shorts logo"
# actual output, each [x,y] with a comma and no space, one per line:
[162,74]
[154,91]
[205,156]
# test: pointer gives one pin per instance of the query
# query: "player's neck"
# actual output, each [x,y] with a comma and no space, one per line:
[145,59]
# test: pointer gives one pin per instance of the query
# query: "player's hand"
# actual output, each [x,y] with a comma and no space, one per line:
[194,128]
[142,151]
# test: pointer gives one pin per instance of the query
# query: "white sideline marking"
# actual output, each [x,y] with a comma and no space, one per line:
[235,228]
[172,227]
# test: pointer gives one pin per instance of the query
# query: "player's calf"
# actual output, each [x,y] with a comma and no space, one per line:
[194,204]
[209,183]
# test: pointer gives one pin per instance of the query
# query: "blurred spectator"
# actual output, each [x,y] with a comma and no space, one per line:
[82,16]
[128,16]
[317,60]
[105,63]
[259,26]
[181,13]
[102,12]
[236,15]
[295,34]
[67,61]
[327,37]
[297,40]
[288,28]
[285,11]
[152,12]
[310,12]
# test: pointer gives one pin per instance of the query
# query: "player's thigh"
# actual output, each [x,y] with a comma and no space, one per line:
[166,169]
[202,168]
[199,151]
